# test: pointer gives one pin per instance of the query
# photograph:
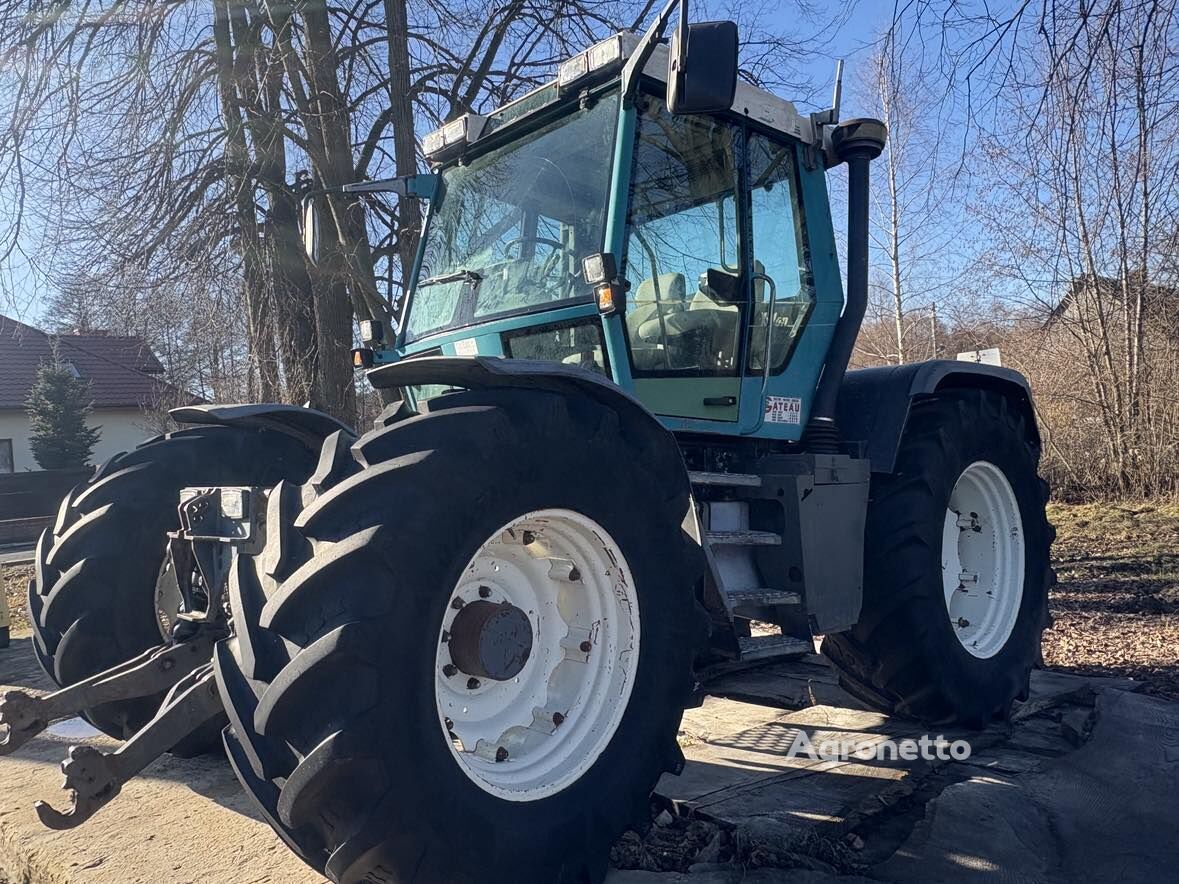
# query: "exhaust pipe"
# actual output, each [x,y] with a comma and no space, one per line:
[857,143]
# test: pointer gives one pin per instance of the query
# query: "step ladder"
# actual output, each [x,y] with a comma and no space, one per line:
[729,542]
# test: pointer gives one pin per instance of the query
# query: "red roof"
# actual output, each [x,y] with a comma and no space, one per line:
[122,371]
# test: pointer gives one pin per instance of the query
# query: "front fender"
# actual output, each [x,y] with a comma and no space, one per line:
[306,424]
[873,404]
[657,444]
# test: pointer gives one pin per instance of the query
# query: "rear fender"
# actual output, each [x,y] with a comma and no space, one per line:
[873,404]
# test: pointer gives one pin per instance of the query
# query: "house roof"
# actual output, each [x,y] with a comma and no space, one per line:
[122,371]
[1161,301]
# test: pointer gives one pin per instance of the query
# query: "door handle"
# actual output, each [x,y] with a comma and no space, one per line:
[720,401]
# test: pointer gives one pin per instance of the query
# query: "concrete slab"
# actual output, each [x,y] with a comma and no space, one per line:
[1106,812]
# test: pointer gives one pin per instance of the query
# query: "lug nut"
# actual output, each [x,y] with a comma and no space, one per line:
[449,724]
[445,636]
[558,719]
[574,575]
[450,670]
[457,604]
[484,591]
[586,647]
[472,684]
[501,754]
[963,622]
[529,538]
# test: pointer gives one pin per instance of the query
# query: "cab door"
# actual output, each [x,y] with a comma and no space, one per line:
[783,291]
[687,299]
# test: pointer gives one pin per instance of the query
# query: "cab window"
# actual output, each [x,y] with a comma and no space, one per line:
[782,284]
[684,304]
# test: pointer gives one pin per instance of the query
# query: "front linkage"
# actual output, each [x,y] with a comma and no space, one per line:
[215,524]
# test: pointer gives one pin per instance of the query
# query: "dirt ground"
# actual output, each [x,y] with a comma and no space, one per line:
[1115,609]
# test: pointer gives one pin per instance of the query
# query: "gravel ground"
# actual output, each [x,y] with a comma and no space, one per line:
[1115,609]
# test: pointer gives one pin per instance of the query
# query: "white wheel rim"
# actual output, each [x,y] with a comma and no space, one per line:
[983,559]
[550,723]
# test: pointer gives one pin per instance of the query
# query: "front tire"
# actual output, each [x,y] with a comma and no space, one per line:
[94,600]
[338,720]
[956,572]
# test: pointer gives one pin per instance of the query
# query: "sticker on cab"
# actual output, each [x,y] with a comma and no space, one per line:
[466,347]
[783,410]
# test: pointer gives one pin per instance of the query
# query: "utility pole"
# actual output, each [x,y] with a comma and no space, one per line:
[933,327]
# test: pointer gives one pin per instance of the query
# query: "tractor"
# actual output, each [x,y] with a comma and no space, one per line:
[622,448]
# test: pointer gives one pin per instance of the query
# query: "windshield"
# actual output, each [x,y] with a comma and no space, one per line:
[508,230]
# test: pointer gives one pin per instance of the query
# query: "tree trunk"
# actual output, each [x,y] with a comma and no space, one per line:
[240,184]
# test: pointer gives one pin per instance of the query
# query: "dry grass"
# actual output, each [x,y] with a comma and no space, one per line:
[1116,607]
[16,585]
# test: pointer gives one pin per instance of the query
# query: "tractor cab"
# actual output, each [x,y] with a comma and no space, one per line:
[685,254]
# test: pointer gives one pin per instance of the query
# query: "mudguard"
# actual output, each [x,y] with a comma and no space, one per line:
[481,372]
[306,424]
[873,404]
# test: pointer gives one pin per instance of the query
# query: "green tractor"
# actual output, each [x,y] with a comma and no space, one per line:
[457,647]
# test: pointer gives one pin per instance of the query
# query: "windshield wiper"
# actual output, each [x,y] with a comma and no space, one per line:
[470,276]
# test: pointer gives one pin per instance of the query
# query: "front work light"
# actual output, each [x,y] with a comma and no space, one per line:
[453,136]
[372,331]
[599,58]
[599,267]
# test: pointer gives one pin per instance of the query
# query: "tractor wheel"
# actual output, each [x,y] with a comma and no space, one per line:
[956,571]
[474,660]
[99,595]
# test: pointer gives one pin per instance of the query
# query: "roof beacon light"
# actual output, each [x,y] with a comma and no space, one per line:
[598,58]
[454,135]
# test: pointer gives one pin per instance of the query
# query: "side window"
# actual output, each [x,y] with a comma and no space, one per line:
[684,303]
[574,342]
[782,286]
[6,464]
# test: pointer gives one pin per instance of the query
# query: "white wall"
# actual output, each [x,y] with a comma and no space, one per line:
[121,428]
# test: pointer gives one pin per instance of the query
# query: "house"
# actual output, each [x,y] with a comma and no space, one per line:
[126,381]
[1088,296]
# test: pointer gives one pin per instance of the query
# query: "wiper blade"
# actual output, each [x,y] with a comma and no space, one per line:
[469,276]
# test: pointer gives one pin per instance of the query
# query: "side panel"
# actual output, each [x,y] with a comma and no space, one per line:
[874,403]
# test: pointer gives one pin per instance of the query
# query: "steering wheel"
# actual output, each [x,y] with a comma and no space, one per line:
[551,262]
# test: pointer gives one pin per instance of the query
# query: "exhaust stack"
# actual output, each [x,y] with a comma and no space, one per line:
[857,143]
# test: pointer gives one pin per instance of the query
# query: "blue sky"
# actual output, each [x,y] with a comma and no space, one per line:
[21,288]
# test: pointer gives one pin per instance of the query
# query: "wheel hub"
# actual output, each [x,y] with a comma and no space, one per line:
[489,640]
[537,654]
[983,559]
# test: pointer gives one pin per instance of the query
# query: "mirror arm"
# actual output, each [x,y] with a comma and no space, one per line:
[642,54]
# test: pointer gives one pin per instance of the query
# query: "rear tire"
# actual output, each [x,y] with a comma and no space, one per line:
[336,721]
[93,599]
[908,654]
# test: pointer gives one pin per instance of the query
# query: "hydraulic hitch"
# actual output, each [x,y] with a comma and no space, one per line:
[215,525]
[94,777]
[27,714]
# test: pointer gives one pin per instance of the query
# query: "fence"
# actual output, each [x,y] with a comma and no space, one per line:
[29,501]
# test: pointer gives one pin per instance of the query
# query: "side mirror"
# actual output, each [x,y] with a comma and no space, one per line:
[310,229]
[702,68]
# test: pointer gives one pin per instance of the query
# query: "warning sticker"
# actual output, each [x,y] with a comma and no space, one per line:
[783,410]
[466,347]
